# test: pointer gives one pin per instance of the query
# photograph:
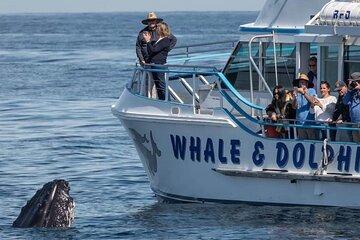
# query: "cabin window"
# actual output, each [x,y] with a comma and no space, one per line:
[286,64]
[329,63]
[351,60]
[237,68]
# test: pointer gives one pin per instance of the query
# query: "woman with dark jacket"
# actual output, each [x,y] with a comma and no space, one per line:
[158,52]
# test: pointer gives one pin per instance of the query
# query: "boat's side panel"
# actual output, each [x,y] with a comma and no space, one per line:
[185,155]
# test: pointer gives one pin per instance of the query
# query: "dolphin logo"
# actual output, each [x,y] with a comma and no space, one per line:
[150,155]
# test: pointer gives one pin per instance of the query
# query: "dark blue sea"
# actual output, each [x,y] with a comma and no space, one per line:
[59,75]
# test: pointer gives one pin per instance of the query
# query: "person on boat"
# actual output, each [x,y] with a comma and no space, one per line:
[158,51]
[275,111]
[141,46]
[279,108]
[352,99]
[341,115]
[312,74]
[324,107]
[303,98]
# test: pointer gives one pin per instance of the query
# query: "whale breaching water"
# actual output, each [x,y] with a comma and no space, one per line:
[52,207]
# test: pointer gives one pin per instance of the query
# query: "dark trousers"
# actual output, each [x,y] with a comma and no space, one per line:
[159,80]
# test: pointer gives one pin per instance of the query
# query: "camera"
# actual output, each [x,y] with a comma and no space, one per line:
[353,84]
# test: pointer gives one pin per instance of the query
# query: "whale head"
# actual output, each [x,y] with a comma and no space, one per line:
[51,207]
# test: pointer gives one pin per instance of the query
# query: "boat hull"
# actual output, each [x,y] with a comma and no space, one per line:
[200,161]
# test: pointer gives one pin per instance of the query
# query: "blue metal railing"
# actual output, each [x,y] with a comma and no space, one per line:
[226,88]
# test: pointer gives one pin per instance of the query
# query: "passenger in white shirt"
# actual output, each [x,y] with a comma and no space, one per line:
[324,107]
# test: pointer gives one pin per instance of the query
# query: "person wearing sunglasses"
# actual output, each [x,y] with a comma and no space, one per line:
[312,74]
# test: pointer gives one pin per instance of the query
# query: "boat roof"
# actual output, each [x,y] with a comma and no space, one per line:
[284,16]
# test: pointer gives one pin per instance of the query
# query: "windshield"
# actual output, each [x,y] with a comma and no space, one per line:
[237,68]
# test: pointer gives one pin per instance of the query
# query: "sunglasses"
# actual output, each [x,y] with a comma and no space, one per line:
[312,65]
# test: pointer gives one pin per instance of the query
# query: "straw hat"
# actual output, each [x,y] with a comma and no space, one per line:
[303,76]
[151,16]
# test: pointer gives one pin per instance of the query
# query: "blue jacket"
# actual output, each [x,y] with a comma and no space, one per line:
[303,109]
[352,99]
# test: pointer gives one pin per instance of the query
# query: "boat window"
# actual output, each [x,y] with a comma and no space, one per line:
[286,64]
[329,64]
[351,60]
[237,69]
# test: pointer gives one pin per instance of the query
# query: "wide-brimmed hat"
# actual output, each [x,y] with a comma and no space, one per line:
[303,76]
[355,76]
[151,16]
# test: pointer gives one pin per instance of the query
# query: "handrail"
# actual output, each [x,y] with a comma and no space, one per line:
[176,66]
[226,82]
[317,124]
[187,47]
[253,64]
[206,44]
[175,71]
[189,88]
[262,122]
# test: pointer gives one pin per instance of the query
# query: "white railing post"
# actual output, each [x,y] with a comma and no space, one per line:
[166,87]
[221,96]
[253,64]
[262,123]
[289,132]
[143,83]
[341,62]
[251,79]
[149,92]
[275,60]
[194,92]
[295,131]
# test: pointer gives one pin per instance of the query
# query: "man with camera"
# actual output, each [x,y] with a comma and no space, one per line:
[352,99]
[151,22]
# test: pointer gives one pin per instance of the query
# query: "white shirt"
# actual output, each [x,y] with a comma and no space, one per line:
[326,113]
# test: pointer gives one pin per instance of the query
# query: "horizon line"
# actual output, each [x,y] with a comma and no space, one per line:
[161,11]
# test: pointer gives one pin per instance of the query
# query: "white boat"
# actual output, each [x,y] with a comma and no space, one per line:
[205,142]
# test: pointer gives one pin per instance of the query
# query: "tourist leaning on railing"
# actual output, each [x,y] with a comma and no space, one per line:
[276,111]
[303,97]
[341,115]
[323,107]
[352,99]
[279,109]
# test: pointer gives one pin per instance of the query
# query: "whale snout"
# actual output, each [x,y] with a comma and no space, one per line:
[51,206]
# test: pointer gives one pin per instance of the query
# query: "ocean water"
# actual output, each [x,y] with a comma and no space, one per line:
[59,74]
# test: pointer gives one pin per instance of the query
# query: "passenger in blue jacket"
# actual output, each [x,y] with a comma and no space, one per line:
[158,52]
[352,99]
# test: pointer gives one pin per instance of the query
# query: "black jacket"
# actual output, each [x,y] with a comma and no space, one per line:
[158,51]
[341,111]
[141,46]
